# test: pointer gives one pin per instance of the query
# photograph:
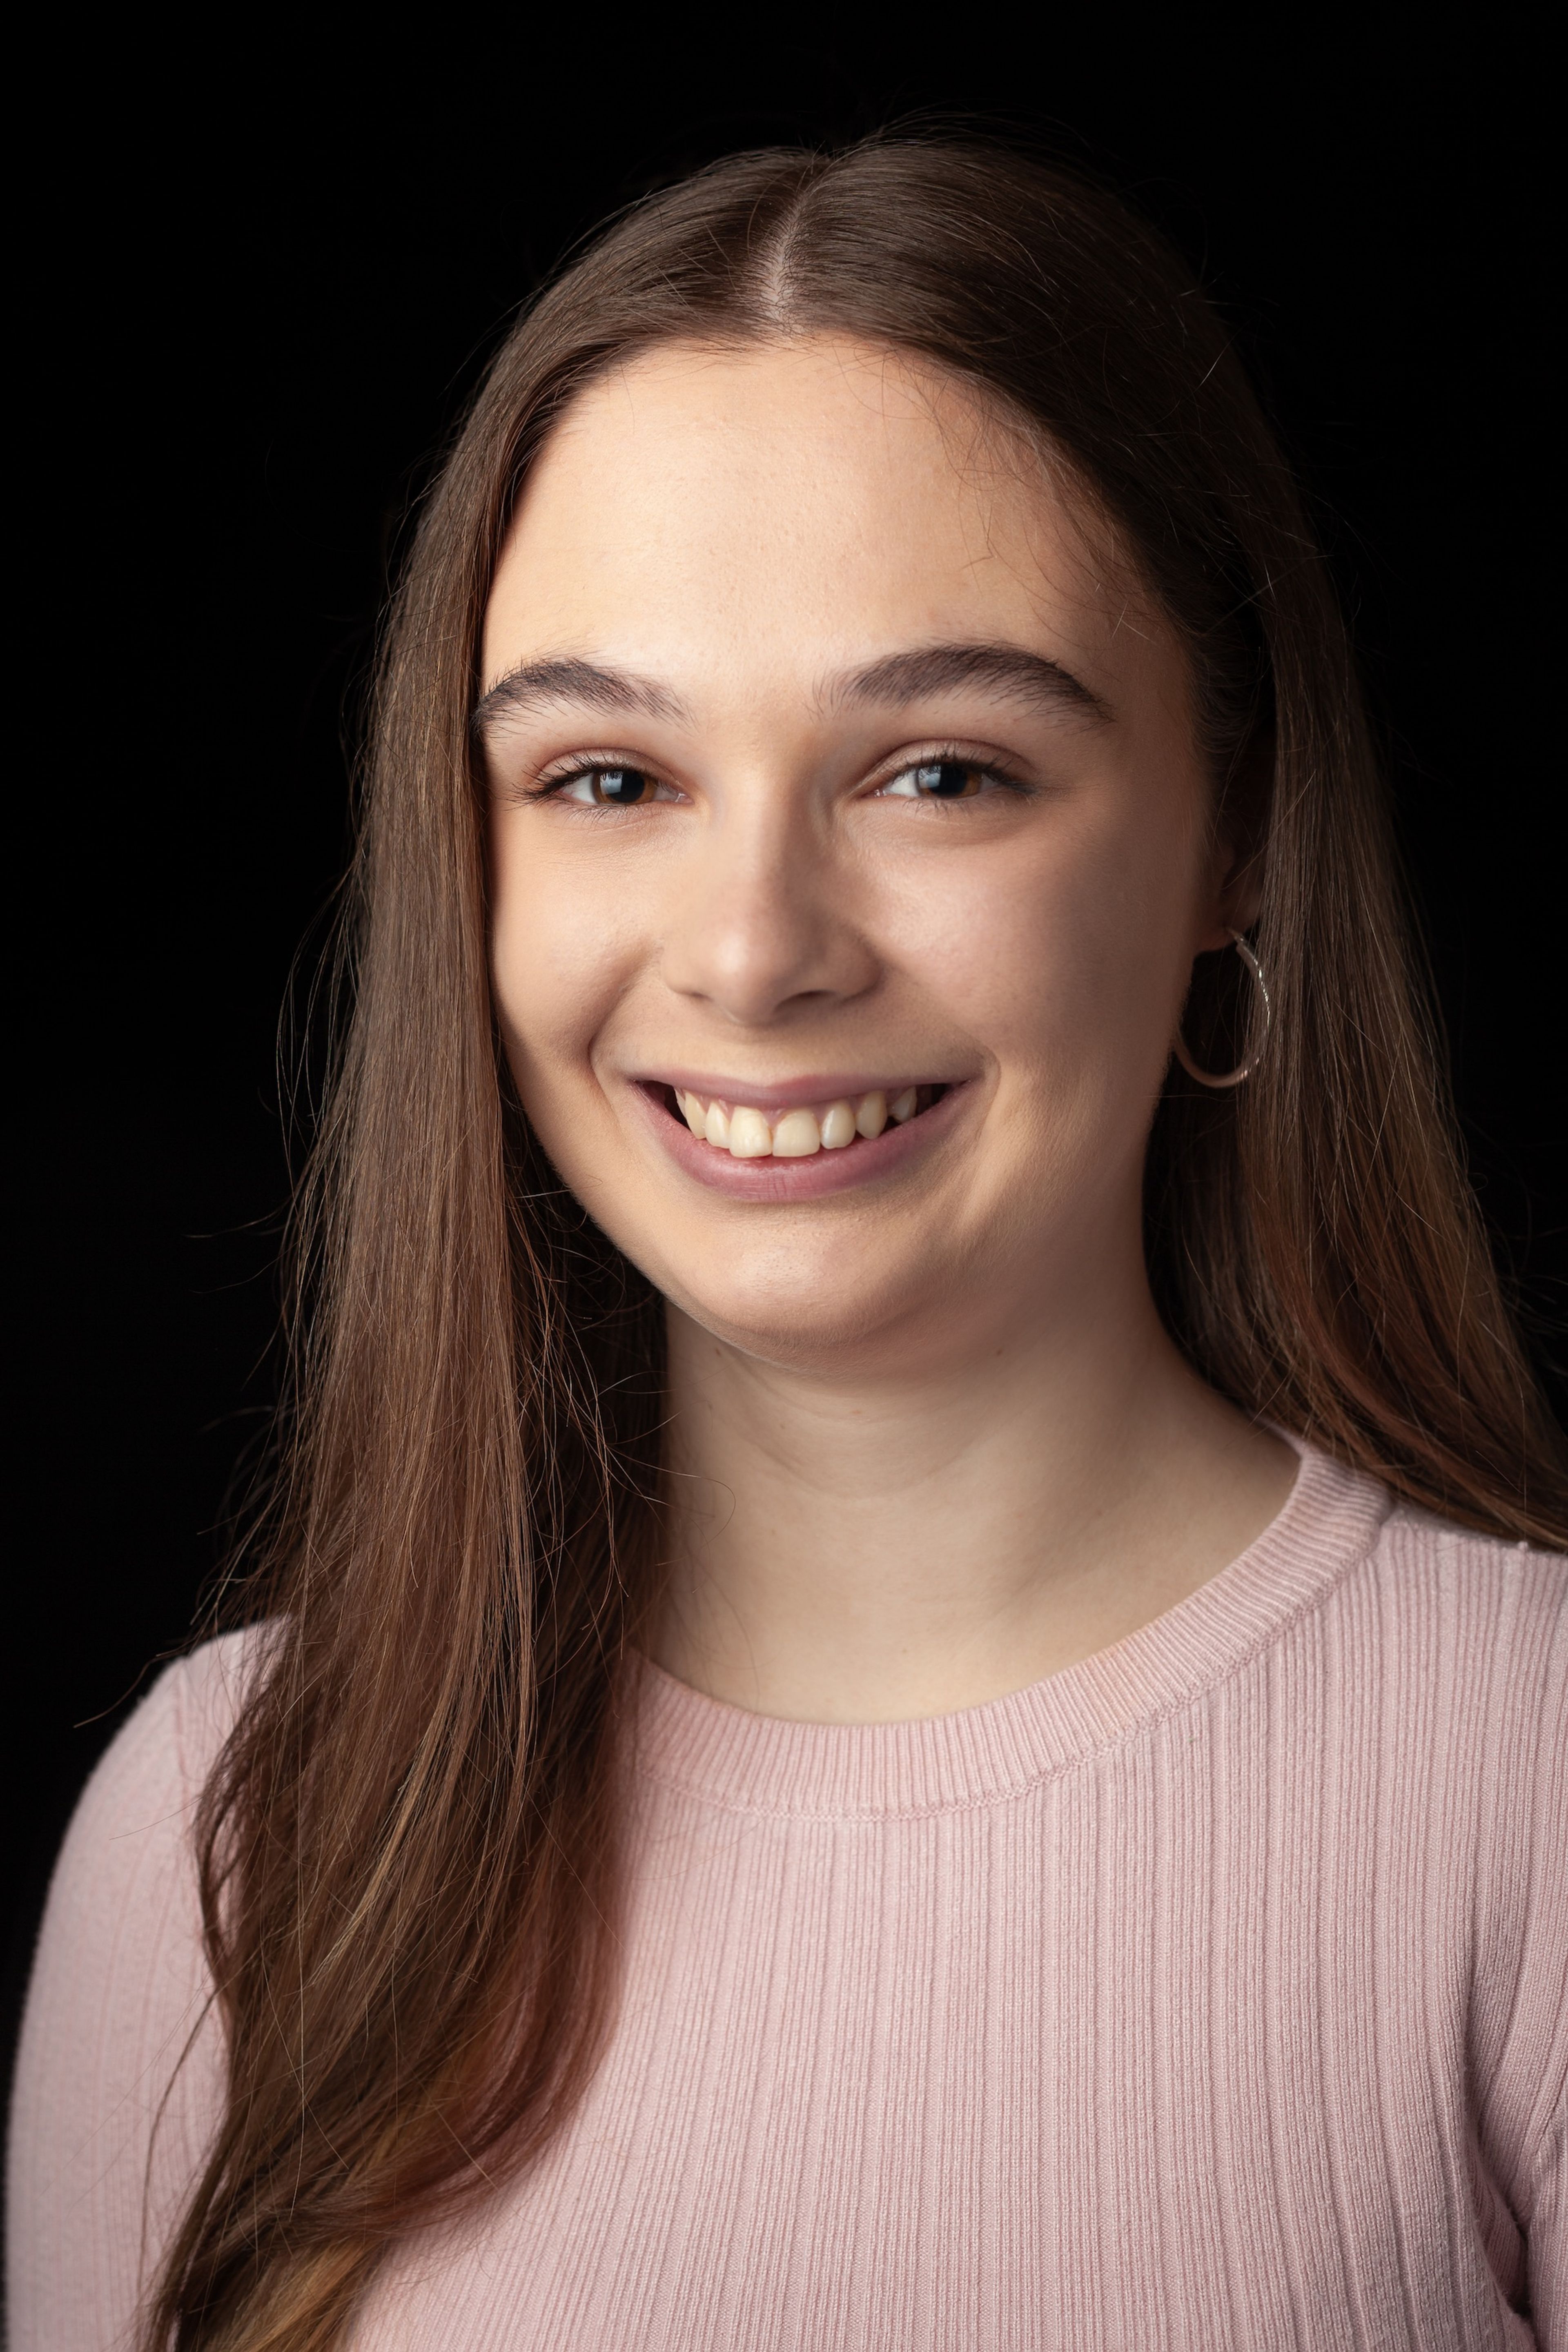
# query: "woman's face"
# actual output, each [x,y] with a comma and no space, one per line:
[846,808]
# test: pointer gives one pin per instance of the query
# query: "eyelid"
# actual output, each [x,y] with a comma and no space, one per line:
[579,764]
[994,765]
[991,764]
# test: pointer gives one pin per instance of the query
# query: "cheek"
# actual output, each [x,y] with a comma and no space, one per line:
[555,965]
[1070,959]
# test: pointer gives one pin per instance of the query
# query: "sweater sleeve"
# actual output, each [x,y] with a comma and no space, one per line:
[1527,2060]
[1549,2243]
[119,2072]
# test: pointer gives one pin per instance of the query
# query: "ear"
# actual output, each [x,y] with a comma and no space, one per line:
[1238,852]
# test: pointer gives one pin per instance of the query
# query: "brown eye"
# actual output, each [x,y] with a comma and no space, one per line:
[947,780]
[608,788]
[620,787]
[937,780]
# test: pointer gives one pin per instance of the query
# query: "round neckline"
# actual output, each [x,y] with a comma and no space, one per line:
[741,1762]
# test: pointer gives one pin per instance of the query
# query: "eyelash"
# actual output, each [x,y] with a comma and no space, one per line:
[991,772]
[936,755]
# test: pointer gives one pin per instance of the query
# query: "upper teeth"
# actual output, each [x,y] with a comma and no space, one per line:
[747,1133]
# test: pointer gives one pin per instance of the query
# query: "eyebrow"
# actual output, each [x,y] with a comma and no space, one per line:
[1005,670]
[541,685]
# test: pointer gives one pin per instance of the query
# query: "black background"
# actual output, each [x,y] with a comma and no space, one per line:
[260,286]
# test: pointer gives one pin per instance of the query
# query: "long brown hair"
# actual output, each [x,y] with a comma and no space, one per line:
[408,1851]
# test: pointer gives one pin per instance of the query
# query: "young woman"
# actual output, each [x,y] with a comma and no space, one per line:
[913,1692]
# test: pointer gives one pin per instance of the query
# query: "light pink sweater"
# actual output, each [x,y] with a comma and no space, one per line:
[1213,1994]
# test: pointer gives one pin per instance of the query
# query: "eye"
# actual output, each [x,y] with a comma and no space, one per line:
[611,788]
[937,780]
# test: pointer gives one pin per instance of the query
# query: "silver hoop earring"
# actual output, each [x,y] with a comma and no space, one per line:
[1243,1069]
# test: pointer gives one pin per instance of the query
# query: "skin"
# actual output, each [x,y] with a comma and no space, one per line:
[928,1440]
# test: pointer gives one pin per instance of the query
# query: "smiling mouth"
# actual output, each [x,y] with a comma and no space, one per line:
[746,1132]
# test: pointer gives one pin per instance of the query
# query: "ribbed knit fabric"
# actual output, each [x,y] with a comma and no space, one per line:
[1211,1994]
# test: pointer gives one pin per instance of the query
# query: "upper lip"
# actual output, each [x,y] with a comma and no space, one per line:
[790,1094]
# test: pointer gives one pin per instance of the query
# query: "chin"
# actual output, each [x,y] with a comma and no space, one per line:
[814,1321]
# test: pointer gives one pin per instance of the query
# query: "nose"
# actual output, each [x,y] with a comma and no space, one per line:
[766,925]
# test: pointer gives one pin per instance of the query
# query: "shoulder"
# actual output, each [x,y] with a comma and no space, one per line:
[134,1818]
[1465,1655]
[131,1827]
[167,1746]
[1409,1618]
[1456,1647]
[1422,1694]
[1418,1733]
[1448,1601]
[120,2069]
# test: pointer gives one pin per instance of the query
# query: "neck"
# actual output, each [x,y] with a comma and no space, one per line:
[864,1545]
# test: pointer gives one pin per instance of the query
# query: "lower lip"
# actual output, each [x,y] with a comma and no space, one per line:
[772,1182]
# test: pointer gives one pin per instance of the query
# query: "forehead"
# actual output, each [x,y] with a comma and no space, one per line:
[796,502]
